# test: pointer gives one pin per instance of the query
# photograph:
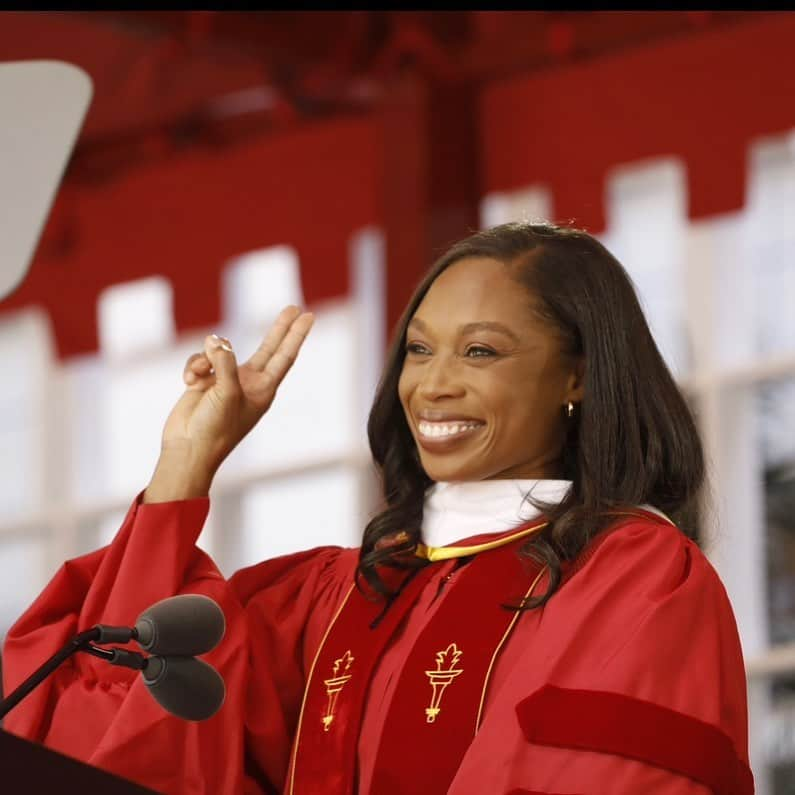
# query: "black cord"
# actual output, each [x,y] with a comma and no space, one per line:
[74,645]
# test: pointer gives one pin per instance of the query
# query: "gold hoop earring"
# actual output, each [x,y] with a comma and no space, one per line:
[569,409]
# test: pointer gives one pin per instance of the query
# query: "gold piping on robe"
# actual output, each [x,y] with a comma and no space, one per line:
[434,554]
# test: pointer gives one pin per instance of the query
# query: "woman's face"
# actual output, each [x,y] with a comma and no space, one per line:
[484,383]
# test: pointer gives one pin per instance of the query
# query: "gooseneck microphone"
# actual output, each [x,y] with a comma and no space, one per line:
[183,625]
[173,630]
[186,687]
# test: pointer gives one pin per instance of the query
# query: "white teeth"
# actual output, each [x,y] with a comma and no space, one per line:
[443,429]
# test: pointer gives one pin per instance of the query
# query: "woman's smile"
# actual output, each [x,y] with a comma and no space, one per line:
[437,436]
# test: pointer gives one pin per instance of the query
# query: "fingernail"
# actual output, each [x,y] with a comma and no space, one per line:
[220,344]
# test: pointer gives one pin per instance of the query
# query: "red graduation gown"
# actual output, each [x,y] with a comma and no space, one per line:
[644,624]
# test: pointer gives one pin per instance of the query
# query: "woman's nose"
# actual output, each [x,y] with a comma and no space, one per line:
[439,379]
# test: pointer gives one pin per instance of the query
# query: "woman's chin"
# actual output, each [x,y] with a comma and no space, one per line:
[447,472]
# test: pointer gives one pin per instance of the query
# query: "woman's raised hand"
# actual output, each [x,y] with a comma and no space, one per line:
[222,402]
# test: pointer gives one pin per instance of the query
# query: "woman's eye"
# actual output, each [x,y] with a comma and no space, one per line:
[473,351]
[479,351]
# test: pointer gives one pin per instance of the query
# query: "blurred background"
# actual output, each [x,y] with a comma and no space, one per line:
[233,162]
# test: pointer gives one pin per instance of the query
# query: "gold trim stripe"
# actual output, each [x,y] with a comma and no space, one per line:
[434,554]
[294,754]
[500,645]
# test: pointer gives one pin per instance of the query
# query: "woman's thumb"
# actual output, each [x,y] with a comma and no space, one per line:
[222,358]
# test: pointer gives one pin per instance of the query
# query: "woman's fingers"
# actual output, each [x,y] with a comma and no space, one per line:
[274,357]
[218,351]
[197,368]
[200,364]
[286,353]
[274,338]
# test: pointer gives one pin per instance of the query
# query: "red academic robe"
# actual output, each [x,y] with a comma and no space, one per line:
[630,680]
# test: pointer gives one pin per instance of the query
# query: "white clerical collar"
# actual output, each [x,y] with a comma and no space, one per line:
[459,510]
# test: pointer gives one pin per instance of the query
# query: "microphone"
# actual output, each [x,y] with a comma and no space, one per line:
[184,686]
[174,630]
[183,625]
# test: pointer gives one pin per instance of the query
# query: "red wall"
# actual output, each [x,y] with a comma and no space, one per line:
[702,97]
[186,218]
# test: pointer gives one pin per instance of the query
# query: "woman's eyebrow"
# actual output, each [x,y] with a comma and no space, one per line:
[468,328]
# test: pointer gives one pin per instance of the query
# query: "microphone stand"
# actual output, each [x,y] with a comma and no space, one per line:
[80,642]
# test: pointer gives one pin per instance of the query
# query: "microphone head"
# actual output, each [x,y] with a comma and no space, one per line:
[183,625]
[186,687]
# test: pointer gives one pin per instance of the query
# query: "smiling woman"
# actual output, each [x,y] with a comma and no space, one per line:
[527,613]
[507,381]
[531,334]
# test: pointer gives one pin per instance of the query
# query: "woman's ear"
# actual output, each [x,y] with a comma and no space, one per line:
[575,385]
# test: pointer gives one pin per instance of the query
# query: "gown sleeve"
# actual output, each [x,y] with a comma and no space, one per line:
[632,681]
[104,716]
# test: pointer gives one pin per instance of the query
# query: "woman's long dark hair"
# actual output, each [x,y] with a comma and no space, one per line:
[632,440]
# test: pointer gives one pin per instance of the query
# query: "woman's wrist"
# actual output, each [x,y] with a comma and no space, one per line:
[178,476]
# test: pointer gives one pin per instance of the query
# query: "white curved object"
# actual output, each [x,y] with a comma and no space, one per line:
[42,107]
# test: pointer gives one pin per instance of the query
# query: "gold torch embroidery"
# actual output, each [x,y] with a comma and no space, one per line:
[444,674]
[335,684]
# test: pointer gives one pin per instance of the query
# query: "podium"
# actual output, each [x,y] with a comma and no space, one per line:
[29,767]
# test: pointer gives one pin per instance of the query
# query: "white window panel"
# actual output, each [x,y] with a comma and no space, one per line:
[138,398]
[770,244]
[21,465]
[135,317]
[23,573]
[718,294]
[647,216]
[368,279]
[25,348]
[300,512]
[738,550]
[259,284]
[83,388]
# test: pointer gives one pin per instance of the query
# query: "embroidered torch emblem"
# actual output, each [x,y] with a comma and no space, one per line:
[445,672]
[338,679]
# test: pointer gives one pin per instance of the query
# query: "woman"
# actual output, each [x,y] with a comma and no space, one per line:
[527,614]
